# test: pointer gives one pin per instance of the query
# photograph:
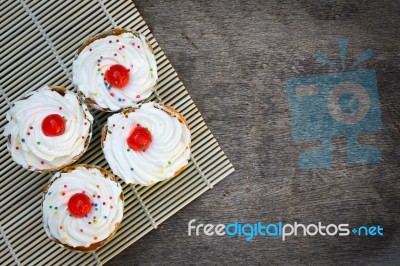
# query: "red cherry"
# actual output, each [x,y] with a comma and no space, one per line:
[117,76]
[139,139]
[53,125]
[79,205]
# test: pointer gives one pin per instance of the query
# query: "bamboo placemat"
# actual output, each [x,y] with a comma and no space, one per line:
[38,44]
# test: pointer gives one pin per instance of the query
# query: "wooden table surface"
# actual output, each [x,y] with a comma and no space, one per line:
[235,58]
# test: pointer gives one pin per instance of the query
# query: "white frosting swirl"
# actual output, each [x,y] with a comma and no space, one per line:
[169,150]
[105,215]
[127,50]
[30,147]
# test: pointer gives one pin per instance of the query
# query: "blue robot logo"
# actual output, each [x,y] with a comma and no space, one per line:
[340,104]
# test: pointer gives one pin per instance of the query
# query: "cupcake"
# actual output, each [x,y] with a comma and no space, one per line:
[82,207]
[49,129]
[147,145]
[115,70]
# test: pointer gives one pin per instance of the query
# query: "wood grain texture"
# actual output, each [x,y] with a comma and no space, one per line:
[235,57]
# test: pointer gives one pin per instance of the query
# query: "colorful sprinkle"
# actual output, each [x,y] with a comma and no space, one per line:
[65,238]
[104,203]
[89,222]
[41,162]
[112,94]
[81,230]
[138,46]
[115,54]
[111,207]
[169,162]
[110,197]
[60,108]
[56,212]
[17,148]
[30,127]
[61,227]
[63,193]
[95,238]
[90,49]
[105,217]
[117,40]
[28,133]
[23,140]
[98,196]
[96,209]
[50,207]
[38,143]
[128,150]
[49,193]
[65,186]
[56,208]
[138,96]
[98,60]
[97,186]
[110,41]
[131,168]
[95,204]
[119,99]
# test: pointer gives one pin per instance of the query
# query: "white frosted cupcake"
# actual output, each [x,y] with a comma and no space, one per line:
[48,129]
[115,70]
[146,145]
[82,207]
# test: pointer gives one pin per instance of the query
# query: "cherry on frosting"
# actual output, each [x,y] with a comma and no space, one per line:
[53,125]
[117,76]
[139,139]
[79,205]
